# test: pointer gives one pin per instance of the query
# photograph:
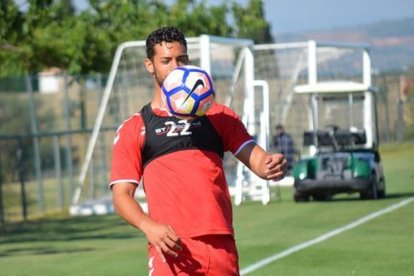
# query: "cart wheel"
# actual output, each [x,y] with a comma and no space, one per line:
[300,197]
[381,193]
[372,193]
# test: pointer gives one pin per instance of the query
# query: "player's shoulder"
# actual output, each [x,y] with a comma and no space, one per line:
[217,108]
[222,110]
[133,122]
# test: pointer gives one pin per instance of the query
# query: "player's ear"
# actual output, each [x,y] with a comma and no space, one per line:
[149,66]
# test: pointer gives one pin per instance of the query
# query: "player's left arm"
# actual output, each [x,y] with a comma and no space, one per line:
[270,166]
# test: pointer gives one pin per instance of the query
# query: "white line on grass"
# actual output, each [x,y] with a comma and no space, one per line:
[324,237]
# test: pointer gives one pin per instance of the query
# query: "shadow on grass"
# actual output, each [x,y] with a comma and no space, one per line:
[399,195]
[41,251]
[355,197]
[68,229]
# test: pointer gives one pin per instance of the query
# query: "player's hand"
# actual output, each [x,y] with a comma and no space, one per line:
[275,166]
[162,237]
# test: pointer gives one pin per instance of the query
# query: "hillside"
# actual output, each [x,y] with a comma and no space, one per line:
[392,41]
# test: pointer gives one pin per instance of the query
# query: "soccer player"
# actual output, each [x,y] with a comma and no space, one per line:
[189,223]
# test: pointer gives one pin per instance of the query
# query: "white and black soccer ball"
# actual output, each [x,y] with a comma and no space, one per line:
[188,91]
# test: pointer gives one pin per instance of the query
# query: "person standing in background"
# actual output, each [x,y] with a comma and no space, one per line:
[284,144]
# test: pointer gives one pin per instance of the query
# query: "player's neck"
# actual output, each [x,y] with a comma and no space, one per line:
[158,107]
[156,102]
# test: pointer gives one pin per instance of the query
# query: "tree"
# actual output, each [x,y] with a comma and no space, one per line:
[196,18]
[49,33]
[11,32]
[251,23]
[27,38]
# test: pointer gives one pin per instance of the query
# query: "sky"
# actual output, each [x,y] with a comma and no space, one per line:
[305,15]
[287,16]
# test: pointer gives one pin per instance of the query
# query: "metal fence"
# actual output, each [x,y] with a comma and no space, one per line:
[45,130]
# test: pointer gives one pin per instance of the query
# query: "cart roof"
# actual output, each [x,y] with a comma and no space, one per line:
[333,87]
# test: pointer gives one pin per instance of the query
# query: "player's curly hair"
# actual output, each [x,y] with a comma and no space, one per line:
[164,34]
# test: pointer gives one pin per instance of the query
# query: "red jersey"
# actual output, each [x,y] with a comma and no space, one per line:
[185,188]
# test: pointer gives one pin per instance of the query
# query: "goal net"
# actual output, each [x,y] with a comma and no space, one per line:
[285,65]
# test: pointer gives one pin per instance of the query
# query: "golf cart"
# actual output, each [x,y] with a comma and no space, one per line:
[342,141]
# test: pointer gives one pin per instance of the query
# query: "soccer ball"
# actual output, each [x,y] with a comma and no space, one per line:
[187,91]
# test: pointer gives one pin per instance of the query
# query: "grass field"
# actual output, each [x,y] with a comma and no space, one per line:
[105,245]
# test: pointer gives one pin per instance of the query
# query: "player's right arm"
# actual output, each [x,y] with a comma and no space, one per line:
[126,171]
[161,236]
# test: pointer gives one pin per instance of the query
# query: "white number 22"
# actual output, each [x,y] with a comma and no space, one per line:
[181,129]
